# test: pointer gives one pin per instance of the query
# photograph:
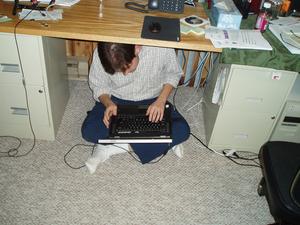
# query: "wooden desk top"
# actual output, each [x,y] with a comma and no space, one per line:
[118,24]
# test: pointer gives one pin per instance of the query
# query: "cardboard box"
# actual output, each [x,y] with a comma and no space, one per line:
[225,14]
[78,68]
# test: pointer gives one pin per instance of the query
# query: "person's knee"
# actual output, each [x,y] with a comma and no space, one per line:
[185,131]
[86,132]
[93,130]
[181,130]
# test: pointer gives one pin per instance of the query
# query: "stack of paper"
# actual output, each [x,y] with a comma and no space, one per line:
[193,24]
[243,39]
[4,19]
[57,2]
[287,30]
[28,14]
[184,29]
[66,2]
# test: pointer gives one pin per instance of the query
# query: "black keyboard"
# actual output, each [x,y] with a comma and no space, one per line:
[131,122]
[138,124]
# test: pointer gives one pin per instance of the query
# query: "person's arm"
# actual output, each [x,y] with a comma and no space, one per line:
[100,84]
[99,81]
[111,108]
[157,108]
[171,73]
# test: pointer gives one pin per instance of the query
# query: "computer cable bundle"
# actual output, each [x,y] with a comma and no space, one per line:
[202,63]
[200,66]
[212,62]
[205,80]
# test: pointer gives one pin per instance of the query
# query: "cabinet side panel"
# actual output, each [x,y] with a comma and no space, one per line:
[211,109]
[56,67]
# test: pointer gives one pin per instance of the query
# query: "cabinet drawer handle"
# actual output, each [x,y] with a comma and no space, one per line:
[254,99]
[289,125]
[9,68]
[19,111]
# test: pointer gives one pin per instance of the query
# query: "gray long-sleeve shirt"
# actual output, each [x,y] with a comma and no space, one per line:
[157,66]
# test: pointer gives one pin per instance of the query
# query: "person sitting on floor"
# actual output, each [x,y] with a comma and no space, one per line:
[132,74]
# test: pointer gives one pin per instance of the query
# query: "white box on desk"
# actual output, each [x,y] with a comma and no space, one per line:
[225,14]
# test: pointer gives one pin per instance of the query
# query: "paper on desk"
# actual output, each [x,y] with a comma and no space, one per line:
[289,39]
[285,21]
[28,14]
[221,5]
[194,30]
[242,39]
[66,2]
[4,19]
[57,2]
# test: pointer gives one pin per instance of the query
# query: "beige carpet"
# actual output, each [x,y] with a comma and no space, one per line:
[201,188]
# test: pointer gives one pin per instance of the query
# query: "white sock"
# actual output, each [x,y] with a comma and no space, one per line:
[100,154]
[117,149]
[178,150]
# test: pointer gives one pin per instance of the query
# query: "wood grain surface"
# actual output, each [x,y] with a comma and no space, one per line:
[117,24]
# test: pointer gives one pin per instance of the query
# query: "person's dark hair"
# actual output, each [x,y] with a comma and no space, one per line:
[115,57]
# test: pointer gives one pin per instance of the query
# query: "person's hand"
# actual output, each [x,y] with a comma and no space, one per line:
[111,109]
[156,111]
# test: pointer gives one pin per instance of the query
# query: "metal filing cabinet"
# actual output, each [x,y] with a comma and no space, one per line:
[242,105]
[45,91]
[288,125]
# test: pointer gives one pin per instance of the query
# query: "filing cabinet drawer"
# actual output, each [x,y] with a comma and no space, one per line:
[13,109]
[10,71]
[10,74]
[233,130]
[33,62]
[255,89]
[32,59]
[8,49]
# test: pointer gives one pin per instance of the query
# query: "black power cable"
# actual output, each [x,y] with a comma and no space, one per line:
[235,155]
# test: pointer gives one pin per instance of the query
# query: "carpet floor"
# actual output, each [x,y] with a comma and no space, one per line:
[202,188]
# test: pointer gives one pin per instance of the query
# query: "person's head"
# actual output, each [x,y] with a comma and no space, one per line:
[118,57]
